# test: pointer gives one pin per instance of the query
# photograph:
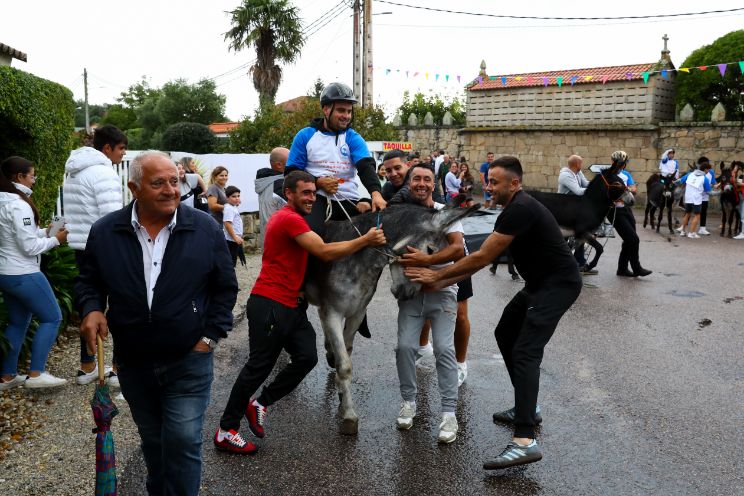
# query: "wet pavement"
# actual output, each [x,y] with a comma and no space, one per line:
[641,393]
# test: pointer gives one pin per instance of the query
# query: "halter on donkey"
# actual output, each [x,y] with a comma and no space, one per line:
[342,289]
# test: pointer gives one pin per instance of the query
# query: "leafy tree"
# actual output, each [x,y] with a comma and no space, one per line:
[95,113]
[273,27]
[120,116]
[317,89]
[182,102]
[704,89]
[135,96]
[420,104]
[191,137]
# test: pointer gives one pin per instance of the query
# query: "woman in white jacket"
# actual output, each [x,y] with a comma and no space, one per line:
[25,289]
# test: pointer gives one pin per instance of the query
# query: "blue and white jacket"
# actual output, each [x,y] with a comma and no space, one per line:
[343,155]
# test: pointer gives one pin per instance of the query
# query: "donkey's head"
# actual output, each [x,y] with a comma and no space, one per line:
[607,184]
[421,228]
[668,182]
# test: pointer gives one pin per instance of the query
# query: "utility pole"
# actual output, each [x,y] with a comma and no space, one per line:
[357,54]
[367,62]
[85,86]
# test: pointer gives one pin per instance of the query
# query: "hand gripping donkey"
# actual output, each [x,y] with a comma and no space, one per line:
[342,289]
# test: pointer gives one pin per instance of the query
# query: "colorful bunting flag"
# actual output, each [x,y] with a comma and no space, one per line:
[446,77]
[587,78]
[741,66]
[629,75]
[604,79]
[703,67]
[436,77]
[545,81]
[480,79]
[684,69]
[458,78]
[664,73]
[518,78]
[426,75]
[529,80]
[645,77]
[492,78]
[573,79]
[559,80]
[406,74]
[415,74]
[387,71]
[503,80]
[722,69]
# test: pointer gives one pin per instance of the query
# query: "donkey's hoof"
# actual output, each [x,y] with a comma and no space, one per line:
[349,427]
[331,359]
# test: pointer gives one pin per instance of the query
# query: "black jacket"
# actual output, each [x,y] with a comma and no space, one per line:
[193,297]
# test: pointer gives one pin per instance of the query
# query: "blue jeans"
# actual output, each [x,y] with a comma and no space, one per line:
[26,295]
[168,402]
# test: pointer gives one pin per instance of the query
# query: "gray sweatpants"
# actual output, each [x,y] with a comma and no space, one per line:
[441,309]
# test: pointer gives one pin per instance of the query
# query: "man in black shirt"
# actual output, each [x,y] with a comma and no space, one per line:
[528,321]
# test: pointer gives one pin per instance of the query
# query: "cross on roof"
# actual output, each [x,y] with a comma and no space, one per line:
[665,38]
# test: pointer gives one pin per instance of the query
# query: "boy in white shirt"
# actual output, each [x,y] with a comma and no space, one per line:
[232,222]
[696,183]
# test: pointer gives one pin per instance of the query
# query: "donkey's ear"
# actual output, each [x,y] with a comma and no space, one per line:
[449,215]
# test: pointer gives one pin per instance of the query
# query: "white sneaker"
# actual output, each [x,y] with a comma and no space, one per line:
[423,352]
[462,373]
[680,229]
[739,236]
[693,235]
[405,416]
[88,377]
[44,380]
[14,382]
[447,429]
[111,378]
[703,232]
[682,233]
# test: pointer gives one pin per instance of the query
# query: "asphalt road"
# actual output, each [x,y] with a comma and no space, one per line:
[641,393]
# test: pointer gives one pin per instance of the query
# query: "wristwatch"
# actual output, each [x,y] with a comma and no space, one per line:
[209,342]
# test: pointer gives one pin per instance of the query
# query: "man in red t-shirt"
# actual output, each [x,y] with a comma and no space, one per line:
[275,320]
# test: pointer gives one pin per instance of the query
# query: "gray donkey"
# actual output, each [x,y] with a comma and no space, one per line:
[342,289]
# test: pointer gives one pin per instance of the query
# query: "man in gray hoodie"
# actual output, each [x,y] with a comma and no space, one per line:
[571,181]
[268,186]
[91,190]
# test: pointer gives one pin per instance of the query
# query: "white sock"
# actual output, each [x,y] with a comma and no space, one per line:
[221,435]
[531,445]
[448,414]
[255,402]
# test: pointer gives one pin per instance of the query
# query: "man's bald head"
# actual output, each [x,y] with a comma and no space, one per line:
[278,158]
[575,162]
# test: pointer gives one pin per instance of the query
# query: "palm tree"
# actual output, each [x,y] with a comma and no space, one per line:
[274,28]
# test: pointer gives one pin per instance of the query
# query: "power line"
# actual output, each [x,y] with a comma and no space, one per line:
[539,18]
[322,17]
[325,23]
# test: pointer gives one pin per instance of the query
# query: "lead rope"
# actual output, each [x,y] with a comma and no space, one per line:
[392,258]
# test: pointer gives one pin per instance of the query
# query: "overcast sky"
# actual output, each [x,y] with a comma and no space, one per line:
[118,42]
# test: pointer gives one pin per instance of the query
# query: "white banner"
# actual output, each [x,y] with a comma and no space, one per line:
[241,169]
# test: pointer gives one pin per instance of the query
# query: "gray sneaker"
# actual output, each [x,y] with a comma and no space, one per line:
[514,455]
[507,416]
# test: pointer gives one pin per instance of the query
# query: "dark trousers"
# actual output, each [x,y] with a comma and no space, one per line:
[624,223]
[272,327]
[232,247]
[168,401]
[579,255]
[525,327]
[703,213]
[317,216]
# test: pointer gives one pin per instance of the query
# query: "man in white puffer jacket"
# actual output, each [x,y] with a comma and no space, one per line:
[92,189]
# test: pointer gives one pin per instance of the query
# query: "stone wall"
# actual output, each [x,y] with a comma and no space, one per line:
[617,102]
[543,150]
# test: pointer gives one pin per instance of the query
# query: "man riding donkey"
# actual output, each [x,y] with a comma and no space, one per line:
[333,153]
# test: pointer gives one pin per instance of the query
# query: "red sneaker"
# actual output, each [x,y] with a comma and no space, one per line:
[255,414]
[233,442]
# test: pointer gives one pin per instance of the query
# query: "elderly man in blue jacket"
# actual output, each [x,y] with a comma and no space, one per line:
[164,271]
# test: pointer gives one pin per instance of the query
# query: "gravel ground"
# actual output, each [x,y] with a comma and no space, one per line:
[46,443]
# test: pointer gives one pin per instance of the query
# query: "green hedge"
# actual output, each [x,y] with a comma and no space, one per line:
[36,122]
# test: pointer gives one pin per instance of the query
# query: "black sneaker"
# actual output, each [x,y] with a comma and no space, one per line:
[514,455]
[585,270]
[507,416]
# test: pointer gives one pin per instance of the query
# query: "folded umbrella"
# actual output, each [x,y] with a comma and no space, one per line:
[104,411]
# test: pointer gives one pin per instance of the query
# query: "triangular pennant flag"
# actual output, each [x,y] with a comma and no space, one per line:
[741,66]
[458,78]
[559,80]
[587,78]
[545,81]
[518,78]
[629,75]
[573,79]
[722,69]
[529,80]
[426,75]
[387,71]
[492,78]
[415,74]
[436,77]
[480,79]
[397,70]
[684,69]
[664,73]
[605,78]
[406,73]
[645,77]
[503,80]
[703,67]
[446,77]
